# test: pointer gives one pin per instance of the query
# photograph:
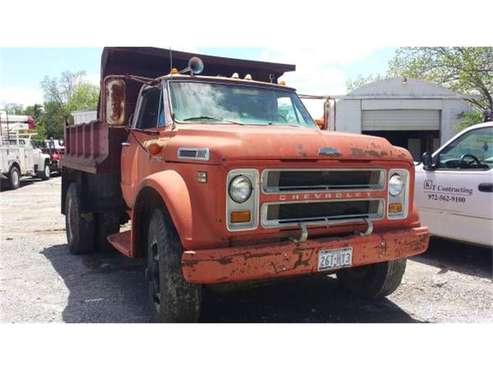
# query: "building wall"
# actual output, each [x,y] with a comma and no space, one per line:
[348,116]
[348,112]
[84,116]
[451,117]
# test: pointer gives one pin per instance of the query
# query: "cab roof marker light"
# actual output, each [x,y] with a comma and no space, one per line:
[248,77]
[235,75]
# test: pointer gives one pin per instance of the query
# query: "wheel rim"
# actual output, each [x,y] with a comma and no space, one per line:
[155,289]
[47,171]
[15,178]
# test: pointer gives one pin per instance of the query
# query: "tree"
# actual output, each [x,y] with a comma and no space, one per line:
[83,97]
[62,96]
[34,111]
[466,70]
[60,90]
[14,108]
[362,80]
[52,120]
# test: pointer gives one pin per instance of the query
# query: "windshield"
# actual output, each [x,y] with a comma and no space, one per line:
[239,104]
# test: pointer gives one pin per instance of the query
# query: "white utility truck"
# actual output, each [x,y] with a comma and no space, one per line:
[19,158]
[454,187]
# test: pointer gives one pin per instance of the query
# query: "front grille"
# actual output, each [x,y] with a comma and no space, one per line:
[277,181]
[322,212]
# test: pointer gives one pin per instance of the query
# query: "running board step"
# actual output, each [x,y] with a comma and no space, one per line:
[122,242]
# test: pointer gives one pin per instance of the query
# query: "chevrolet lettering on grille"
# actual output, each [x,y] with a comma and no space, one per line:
[322,196]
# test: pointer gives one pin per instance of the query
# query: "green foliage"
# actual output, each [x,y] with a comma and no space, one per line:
[361,80]
[466,70]
[52,121]
[470,118]
[64,95]
[84,97]
[34,111]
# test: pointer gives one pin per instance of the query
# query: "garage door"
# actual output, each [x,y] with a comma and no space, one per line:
[401,119]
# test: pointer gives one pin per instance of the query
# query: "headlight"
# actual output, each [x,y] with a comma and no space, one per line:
[240,189]
[395,185]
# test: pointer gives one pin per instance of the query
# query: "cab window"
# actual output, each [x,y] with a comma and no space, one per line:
[151,112]
[473,150]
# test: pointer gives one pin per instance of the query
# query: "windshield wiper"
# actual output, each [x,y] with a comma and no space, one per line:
[216,120]
[284,124]
[201,118]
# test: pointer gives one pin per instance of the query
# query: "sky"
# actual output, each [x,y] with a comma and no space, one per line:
[318,71]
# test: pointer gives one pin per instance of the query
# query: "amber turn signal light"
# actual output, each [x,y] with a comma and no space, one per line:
[154,148]
[395,207]
[240,216]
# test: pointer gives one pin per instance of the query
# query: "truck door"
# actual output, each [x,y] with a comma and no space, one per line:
[26,153]
[456,199]
[148,118]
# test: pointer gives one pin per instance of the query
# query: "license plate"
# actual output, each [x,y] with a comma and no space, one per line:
[331,259]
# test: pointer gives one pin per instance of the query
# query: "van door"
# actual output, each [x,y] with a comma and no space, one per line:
[456,199]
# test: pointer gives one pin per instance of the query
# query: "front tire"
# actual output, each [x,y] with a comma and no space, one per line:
[373,281]
[172,298]
[14,178]
[46,174]
[79,226]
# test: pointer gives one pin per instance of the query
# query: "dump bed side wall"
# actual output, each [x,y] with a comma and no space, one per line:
[92,161]
[94,147]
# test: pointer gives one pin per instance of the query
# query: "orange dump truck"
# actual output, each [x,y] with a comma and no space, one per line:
[225,177]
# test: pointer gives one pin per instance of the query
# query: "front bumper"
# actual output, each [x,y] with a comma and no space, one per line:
[288,258]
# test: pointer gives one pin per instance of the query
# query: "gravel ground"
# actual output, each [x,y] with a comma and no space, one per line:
[41,282]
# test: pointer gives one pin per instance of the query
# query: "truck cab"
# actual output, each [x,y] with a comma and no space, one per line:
[228,179]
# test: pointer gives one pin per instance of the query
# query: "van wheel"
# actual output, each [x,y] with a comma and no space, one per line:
[373,281]
[14,178]
[45,175]
[172,299]
[79,226]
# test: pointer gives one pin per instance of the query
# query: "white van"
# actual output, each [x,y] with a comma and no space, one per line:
[454,187]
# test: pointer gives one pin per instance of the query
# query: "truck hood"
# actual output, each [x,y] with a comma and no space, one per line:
[234,142]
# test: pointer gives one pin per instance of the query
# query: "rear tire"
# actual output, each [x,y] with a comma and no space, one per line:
[14,178]
[373,281]
[79,226]
[171,297]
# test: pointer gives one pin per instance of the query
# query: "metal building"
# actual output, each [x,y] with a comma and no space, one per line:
[414,114]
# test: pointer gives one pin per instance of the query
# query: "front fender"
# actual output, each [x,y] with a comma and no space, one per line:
[174,192]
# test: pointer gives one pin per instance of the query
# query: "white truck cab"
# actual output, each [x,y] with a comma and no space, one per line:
[454,187]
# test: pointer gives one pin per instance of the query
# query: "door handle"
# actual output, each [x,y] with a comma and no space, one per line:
[486,187]
[125,144]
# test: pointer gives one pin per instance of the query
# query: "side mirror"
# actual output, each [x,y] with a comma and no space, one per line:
[115,97]
[427,160]
[195,66]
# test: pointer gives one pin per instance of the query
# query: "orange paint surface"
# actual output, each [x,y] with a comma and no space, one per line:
[288,259]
